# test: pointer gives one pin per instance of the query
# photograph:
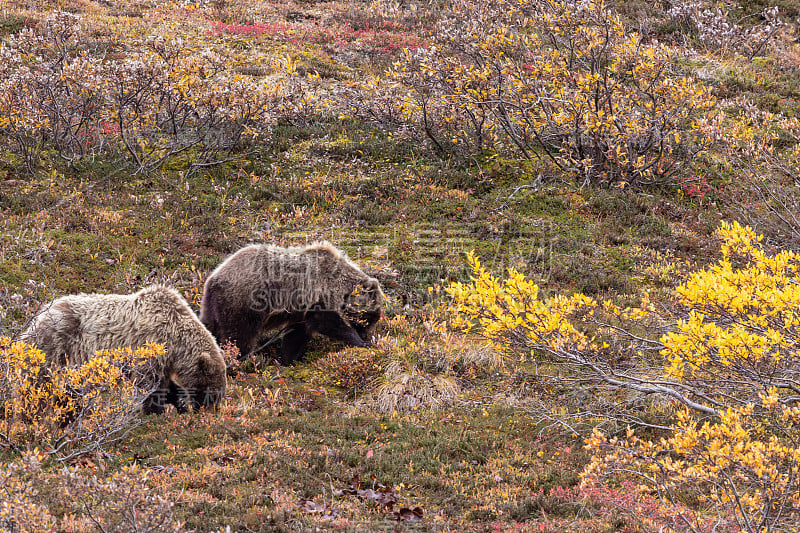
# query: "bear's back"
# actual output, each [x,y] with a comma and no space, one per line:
[280,279]
[76,326]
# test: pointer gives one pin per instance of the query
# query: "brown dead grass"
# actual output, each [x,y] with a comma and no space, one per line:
[406,387]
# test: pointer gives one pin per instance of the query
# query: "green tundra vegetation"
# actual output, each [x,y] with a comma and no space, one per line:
[583,215]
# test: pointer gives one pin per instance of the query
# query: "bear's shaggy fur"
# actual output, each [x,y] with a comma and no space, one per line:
[301,290]
[192,371]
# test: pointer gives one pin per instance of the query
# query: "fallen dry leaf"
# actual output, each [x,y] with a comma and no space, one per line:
[410,515]
[383,496]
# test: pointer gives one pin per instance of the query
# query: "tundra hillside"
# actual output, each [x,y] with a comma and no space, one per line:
[583,216]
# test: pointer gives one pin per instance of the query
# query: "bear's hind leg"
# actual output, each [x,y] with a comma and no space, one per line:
[239,325]
[242,329]
[210,309]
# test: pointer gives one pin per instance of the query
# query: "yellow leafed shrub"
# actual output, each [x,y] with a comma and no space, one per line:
[19,510]
[163,96]
[745,475]
[742,334]
[71,410]
[559,80]
[733,360]
[509,312]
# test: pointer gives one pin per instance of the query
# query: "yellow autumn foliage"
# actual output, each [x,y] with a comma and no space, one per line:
[556,80]
[38,499]
[735,356]
[744,474]
[68,410]
[166,94]
[509,312]
[742,333]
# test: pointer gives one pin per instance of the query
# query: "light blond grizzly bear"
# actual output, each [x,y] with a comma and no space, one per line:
[192,371]
[301,290]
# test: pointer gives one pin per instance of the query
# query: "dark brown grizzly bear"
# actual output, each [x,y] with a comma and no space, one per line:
[300,290]
[192,372]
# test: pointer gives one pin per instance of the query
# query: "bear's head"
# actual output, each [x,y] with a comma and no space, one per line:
[364,308]
[204,384]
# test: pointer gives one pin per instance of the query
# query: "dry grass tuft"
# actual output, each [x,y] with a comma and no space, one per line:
[480,355]
[408,389]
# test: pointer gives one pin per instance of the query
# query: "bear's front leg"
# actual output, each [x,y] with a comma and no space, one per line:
[156,401]
[180,398]
[167,393]
[293,343]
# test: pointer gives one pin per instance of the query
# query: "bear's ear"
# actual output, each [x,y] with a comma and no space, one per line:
[375,291]
[203,364]
[371,287]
